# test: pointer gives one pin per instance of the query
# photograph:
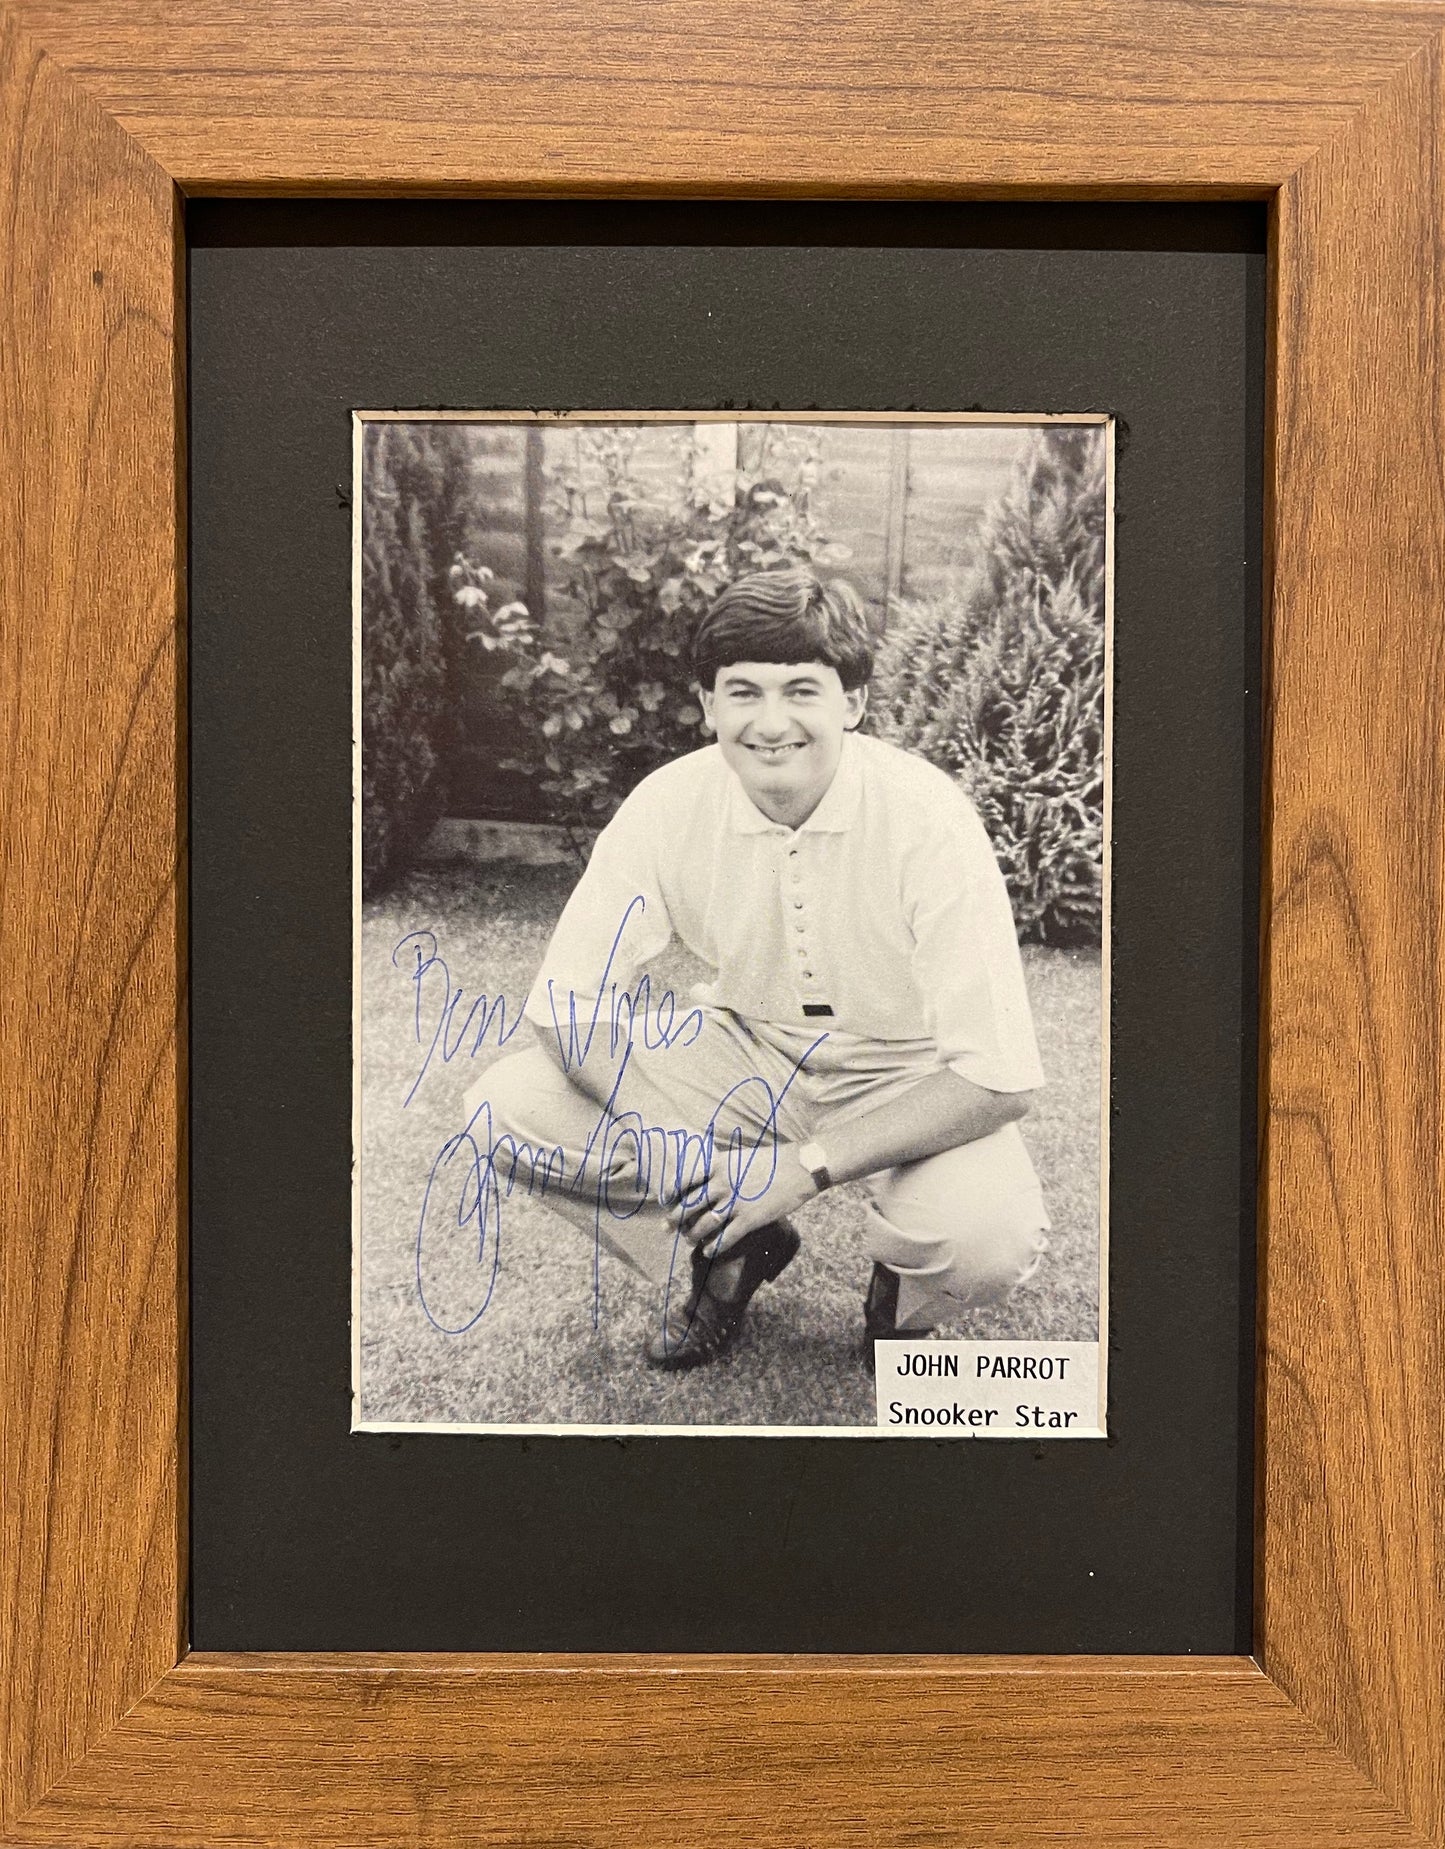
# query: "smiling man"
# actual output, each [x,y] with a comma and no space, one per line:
[867,1018]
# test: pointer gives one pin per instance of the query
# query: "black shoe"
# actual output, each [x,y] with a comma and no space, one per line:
[880,1314]
[707,1325]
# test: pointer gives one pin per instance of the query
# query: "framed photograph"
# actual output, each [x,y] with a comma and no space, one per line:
[1327,1729]
[730,941]
[520,1294]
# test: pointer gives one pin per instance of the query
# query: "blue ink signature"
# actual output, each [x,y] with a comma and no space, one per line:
[673,1164]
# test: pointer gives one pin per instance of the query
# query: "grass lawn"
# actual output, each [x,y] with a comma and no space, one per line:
[534,1356]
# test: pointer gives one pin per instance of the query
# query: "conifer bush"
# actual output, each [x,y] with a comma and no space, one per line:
[403,670]
[1000,682]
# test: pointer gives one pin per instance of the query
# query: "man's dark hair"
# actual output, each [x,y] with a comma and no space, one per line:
[785,616]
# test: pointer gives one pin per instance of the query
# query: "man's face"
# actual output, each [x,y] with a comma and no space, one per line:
[781,729]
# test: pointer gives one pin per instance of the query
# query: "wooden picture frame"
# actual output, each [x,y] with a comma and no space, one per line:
[1335,1732]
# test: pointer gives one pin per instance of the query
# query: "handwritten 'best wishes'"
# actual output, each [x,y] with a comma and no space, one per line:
[624,1162]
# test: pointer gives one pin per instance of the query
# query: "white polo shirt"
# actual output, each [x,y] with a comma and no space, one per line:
[884,917]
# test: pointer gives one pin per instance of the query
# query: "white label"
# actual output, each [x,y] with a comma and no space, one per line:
[929,1389]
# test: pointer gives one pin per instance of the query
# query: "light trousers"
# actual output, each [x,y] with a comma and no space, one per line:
[960,1228]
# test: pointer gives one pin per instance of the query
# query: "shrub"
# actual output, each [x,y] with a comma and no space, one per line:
[403,711]
[605,695]
[1001,683]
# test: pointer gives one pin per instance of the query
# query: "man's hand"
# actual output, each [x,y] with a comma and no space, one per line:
[711,1216]
[940,1112]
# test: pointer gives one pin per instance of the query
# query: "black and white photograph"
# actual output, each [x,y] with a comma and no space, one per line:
[731,886]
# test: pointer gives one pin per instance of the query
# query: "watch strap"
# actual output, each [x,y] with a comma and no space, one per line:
[814,1159]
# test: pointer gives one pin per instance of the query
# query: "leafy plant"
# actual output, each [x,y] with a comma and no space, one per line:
[1001,683]
[605,695]
[503,629]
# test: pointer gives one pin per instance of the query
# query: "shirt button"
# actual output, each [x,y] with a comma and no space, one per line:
[807,975]
[798,925]
[797,907]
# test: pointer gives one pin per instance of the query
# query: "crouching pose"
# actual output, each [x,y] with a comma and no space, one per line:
[867,1019]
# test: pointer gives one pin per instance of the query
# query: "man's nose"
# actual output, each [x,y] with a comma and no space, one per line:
[772,721]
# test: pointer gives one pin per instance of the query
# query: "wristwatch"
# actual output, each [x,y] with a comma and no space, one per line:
[814,1158]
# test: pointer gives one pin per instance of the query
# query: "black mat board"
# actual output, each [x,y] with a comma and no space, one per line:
[306,1537]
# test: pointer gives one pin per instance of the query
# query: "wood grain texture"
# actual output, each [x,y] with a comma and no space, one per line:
[867,98]
[1352,1593]
[422,1753]
[1333,108]
[90,1094]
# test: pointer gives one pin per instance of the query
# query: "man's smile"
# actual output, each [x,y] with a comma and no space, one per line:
[771,753]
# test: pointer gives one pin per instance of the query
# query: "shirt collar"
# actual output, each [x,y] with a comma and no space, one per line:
[833,815]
